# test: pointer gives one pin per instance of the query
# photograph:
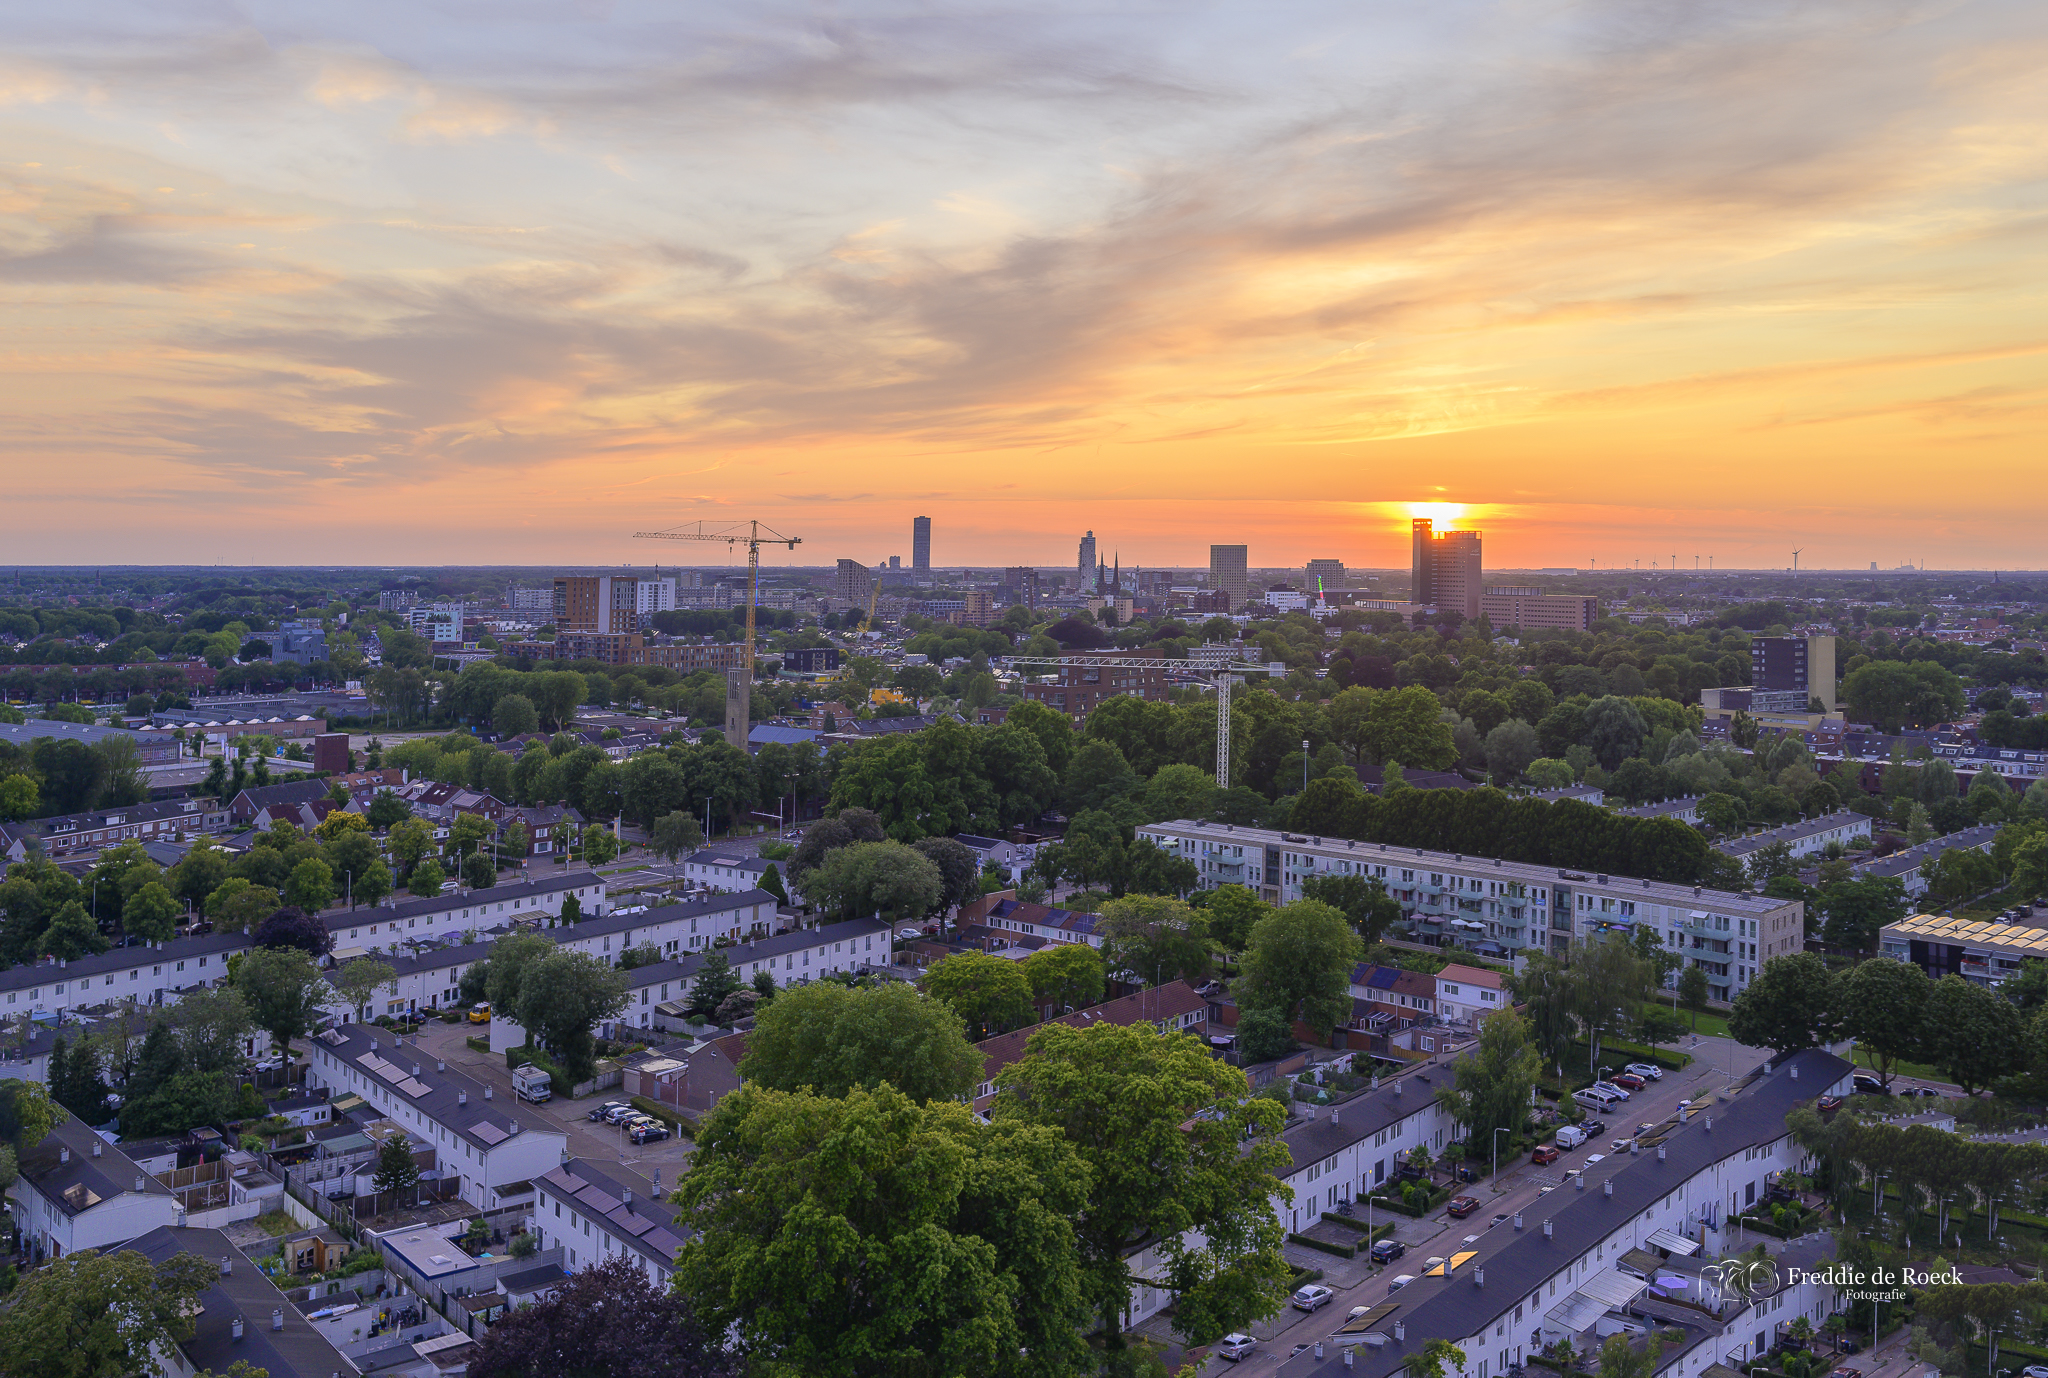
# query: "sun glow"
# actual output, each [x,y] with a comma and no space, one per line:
[1437,511]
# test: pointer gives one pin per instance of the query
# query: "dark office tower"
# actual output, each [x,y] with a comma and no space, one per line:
[1229,570]
[920,543]
[1448,570]
[1422,538]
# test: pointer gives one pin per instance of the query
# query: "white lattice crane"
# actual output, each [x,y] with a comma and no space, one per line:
[1223,676]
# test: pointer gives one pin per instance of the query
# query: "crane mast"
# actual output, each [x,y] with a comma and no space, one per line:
[738,683]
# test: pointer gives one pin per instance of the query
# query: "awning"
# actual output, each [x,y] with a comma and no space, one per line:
[1574,1314]
[1615,1289]
[1672,1242]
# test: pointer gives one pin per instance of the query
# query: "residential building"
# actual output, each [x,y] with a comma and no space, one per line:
[812,660]
[1808,837]
[1088,566]
[1466,995]
[977,609]
[595,1210]
[796,957]
[1447,568]
[151,748]
[921,545]
[1787,672]
[259,806]
[495,1148]
[538,601]
[1533,610]
[1565,1263]
[1021,581]
[1685,809]
[1229,572]
[148,974]
[1986,952]
[1497,907]
[66,834]
[1905,865]
[1319,575]
[401,924]
[611,602]
[240,1316]
[396,600]
[726,873]
[1076,690]
[852,582]
[694,924]
[1171,1008]
[77,1191]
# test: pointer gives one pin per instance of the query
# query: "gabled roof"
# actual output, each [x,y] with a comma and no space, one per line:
[405,1075]
[62,1169]
[1170,1001]
[297,1350]
[644,1225]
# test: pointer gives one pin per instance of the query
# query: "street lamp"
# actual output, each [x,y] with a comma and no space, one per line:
[1498,1130]
[1304,764]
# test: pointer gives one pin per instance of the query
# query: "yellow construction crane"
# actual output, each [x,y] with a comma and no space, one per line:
[750,534]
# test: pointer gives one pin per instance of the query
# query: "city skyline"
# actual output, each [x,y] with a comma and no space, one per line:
[299,287]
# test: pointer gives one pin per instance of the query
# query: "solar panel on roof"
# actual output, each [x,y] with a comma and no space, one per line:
[599,1200]
[663,1240]
[412,1087]
[489,1133]
[632,1222]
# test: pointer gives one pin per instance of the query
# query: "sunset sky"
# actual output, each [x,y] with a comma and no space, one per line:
[502,283]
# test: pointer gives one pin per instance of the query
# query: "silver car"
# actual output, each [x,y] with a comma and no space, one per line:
[1235,1346]
[1648,1071]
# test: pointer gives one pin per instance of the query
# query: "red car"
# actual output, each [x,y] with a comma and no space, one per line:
[1628,1081]
[1545,1153]
[1462,1207]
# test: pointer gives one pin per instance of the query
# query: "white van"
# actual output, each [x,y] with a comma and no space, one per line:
[1594,1099]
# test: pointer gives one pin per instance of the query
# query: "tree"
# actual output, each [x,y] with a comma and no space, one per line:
[674,836]
[151,914]
[605,1321]
[715,981]
[874,877]
[479,872]
[1264,1033]
[511,956]
[1299,961]
[1510,749]
[426,880]
[396,1170]
[959,870]
[72,934]
[1098,775]
[835,1039]
[1857,910]
[1065,976]
[1894,693]
[19,797]
[1404,725]
[867,1234]
[1693,992]
[1883,1006]
[237,905]
[827,835]
[600,848]
[1434,1359]
[311,886]
[77,1080]
[1173,1143]
[771,881]
[1791,1004]
[1614,730]
[411,840]
[989,993]
[560,997]
[359,980]
[1547,989]
[1490,1086]
[94,1315]
[1154,940]
[1234,911]
[1619,1358]
[290,927]
[387,810]
[1608,982]
[284,990]
[514,716]
[1973,1033]
[1362,900]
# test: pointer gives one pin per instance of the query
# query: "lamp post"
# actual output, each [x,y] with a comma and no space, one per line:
[1498,1130]
[1304,764]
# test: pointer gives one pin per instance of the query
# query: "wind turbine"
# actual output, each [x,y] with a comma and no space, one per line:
[1795,561]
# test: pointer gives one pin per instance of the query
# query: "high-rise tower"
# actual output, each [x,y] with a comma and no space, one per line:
[1086,564]
[1228,570]
[1448,570]
[920,544]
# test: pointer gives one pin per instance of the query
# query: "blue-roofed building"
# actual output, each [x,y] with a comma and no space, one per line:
[763,733]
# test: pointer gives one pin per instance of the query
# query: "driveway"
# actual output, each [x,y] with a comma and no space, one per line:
[602,1143]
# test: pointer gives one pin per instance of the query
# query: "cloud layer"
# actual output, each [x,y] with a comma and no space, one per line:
[498,284]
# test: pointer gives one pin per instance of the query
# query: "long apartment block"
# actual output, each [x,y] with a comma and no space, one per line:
[1500,908]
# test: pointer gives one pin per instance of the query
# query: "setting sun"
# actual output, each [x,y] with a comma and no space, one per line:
[1437,511]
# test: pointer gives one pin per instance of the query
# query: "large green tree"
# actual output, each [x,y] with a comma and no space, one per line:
[1065,976]
[1490,1085]
[866,878]
[94,1315]
[864,1234]
[1790,1005]
[833,1039]
[285,991]
[1299,961]
[1883,1006]
[1362,900]
[1972,1033]
[1154,940]
[561,997]
[990,994]
[1172,1144]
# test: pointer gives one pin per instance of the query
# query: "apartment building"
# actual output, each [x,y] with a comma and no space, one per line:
[1808,837]
[611,602]
[1786,672]
[693,925]
[1530,609]
[496,1147]
[1229,573]
[1985,952]
[1904,866]
[722,872]
[1497,907]
[851,582]
[398,924]
[174,819]
[794,958]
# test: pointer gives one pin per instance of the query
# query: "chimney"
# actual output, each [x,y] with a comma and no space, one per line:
[1400,1332]
[1546,1229]
[1319,1349]
[235,1327]
[277,1318]
[1580,1178]
[462,1098]
[1518,1220]
[1479,1277]
[1710,1124]
[1607,1187]
[627,1196]
[1333,1114]
[487,1093]
[440,1065]
[1795,1073]
[415,1069]
[1660,1153]
[63,1154]
[96,1145]
[227,1265]
[141,1183]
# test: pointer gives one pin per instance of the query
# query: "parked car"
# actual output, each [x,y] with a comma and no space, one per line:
[1235,1346]
[1618,1092]
[1628,1081]
[1594,1128]
[649,1131]
[618,1111]
[1462,1207]
[1311,1297]
[2034,1371]
[1862,1085]
[607,1108]
[1648,1071]
[1398,1283]
[1387,1250]
[1546,1153]
[1571,1136]
[1593,1098]
[480,1013]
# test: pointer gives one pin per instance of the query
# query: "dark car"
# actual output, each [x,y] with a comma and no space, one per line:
[1387,1250]
[1593,1127]
[1462,1207]
[1867,1086]
[1468,1174]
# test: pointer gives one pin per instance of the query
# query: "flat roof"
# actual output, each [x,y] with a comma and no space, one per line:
[1932,928]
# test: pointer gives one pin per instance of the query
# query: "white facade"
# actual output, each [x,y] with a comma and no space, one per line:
[77,1192]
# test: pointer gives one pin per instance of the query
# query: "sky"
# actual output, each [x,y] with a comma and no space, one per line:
[505,283]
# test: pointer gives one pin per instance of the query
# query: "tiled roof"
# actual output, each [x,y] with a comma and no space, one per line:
[1169,1001]
[646,1225]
